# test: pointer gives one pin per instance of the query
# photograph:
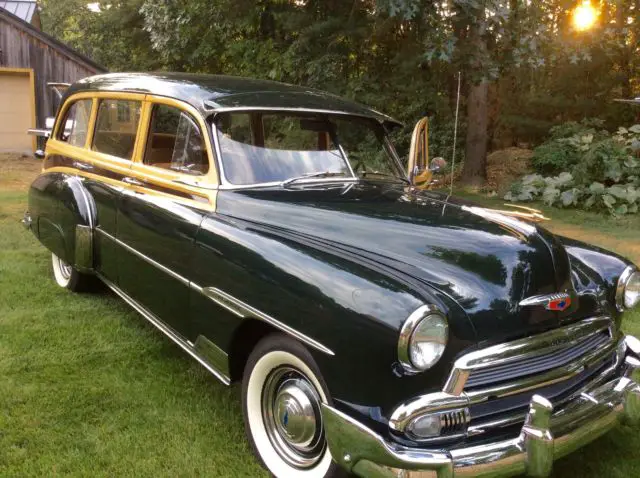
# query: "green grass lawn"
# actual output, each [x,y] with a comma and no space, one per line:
[88,388]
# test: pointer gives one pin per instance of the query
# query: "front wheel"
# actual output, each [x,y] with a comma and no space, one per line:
[282,390]
[68,277]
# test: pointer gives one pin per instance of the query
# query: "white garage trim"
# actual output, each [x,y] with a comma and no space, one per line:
[32,83]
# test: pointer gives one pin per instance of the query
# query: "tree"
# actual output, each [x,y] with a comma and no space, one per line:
[111,33]
[524,68]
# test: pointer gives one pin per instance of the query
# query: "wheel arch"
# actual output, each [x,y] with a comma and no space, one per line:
[243,341]
[64,216]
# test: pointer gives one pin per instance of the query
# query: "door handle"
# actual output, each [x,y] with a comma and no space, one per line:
[132,181]
[84,166]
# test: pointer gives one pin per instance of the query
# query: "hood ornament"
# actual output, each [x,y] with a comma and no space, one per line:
[556,302]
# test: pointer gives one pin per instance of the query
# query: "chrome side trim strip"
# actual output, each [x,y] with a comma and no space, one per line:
[244,310]
[145,258]
[170,333]
[228,302]
[213,354]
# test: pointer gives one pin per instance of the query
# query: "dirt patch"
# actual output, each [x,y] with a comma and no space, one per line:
[17,171]
[505,166]
[630,249]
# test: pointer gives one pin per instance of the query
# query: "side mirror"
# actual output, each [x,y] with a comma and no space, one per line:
[437,164]
[39,154]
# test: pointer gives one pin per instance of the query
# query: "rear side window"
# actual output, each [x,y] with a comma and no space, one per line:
[175,142]
[76,123]
[116,127]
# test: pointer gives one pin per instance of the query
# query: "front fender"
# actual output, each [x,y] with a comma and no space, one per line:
[595,271]
[351,306]
[63,217]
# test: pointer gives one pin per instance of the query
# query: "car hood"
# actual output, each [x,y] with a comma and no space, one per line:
[484,261]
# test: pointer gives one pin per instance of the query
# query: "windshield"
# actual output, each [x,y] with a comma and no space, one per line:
[259,147]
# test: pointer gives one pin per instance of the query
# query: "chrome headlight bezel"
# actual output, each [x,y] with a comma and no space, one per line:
[627,275]
[410,325]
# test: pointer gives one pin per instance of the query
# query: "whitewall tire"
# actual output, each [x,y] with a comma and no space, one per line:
[68,277]
[281,394]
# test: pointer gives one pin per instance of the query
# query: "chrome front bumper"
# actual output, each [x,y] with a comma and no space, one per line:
[546,436]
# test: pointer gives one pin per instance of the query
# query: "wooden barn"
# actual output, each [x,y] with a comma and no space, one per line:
[29,59]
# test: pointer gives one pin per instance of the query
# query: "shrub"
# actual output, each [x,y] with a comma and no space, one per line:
[554,156]
[606,175]
[566,145]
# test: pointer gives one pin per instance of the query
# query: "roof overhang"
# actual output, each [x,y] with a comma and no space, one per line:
[52,42]
[299,102]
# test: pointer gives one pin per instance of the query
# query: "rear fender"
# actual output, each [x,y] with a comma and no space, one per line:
[63,217]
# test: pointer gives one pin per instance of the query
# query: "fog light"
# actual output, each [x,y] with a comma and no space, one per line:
[439,425]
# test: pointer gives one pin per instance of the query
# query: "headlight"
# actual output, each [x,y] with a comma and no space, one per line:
[423,339]
[628,291]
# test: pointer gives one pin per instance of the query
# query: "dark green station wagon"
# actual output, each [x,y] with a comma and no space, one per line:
[377,328]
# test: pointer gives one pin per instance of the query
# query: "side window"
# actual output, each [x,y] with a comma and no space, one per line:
[175,142]
[76,123]
[116,127]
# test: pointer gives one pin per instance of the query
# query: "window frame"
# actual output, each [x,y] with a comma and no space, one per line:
[63,118]
[193,119]
[96,107]
[207,180]
[101,159]
[226,184]
[203,190]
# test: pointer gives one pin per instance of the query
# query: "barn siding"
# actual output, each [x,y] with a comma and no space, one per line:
[21,49]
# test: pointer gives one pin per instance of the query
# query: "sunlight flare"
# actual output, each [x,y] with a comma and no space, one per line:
[584,16]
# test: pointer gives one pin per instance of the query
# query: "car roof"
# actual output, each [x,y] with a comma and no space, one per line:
[215,93]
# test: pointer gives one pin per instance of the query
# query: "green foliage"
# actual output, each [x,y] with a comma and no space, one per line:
[113,36]
[554,156]
[568,143]
[399,56]
[605,173]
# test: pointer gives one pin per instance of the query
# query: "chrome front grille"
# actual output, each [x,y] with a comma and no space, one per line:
[538,360]
[494,385]
[499,381]
[527,366]
[454,422]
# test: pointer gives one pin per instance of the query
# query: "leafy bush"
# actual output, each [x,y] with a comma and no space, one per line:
[566,146]
[606,175]
[554,156]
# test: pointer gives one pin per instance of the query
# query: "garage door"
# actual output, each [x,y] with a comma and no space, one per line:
[16,106]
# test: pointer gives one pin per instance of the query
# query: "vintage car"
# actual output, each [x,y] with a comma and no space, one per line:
[377,328]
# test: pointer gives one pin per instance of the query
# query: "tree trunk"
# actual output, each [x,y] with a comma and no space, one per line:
[475,163]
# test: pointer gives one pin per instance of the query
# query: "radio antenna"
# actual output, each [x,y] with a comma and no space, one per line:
[455,134]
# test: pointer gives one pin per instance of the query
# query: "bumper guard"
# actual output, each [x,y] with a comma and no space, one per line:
[545,436]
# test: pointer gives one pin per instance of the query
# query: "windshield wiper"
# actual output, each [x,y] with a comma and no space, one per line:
[386,175]
[320,174]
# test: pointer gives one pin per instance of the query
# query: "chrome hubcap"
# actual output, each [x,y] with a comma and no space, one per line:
[65,269]
[291,412]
